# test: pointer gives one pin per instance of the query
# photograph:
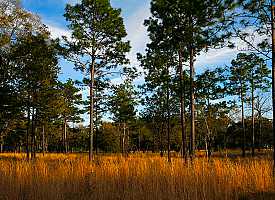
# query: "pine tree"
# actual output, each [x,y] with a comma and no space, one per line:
[97,34]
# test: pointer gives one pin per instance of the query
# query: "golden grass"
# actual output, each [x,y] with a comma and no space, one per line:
[58,176]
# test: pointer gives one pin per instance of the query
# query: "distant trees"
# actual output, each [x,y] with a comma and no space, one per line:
[248,73]
[212,108]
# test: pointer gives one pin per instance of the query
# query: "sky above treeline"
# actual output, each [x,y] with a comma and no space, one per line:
[134,13]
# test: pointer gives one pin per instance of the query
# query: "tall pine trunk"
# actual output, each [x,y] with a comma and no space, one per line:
[182,106]
[92,77]
[43,139]
[28,130]
[260,131]
[96,125]
[243,121]
[123,139]
[1,142]
[161,139]
[33,135]
[192,102]
[65,145]
[168,114]
[253,118]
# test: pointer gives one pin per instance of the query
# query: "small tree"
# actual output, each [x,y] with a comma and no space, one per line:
[122,104]
[70,100]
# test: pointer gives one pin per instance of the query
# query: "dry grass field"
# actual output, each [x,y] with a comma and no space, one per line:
[57,176]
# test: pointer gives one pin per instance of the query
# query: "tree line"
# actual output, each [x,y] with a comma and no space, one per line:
[176,109]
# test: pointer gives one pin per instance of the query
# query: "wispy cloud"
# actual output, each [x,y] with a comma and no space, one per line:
[71,1]
[219,57]
[57,31]
[137,33]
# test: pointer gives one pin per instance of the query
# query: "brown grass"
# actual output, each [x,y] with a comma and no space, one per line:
[57,176]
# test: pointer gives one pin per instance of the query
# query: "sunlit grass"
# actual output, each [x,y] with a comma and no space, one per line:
[140,176]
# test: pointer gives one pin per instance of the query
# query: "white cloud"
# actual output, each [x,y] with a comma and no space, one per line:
[137,33]
[117,81]
[58,32]
[218,57]
[71,1]
[214,58]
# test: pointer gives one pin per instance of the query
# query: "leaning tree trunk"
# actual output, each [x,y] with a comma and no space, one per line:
[92,77]
[182,106]
[192,103]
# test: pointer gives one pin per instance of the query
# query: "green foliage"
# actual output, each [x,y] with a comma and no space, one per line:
[97,32]
[249,21]
[123,102]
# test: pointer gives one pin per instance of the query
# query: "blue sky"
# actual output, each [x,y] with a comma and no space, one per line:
[134,12]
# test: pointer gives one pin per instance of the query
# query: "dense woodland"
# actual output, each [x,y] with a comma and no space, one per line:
[176,109]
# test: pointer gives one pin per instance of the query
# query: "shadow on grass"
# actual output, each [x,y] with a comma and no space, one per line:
[258,196]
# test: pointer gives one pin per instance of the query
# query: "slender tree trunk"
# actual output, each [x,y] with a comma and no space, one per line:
[65,136]
[92,77]
[33,135]
[207,139]
[96,140]
[96,127]
[35,140]
[120,139]
[139,135]
[123,138]
[154,141]
[1,142]
[260,131]
[43,140]
[161,140]
[182,106]
[243,123]
[28,130]
[253,119]
[273,77]
[127,142]
[168,114]
[192,103]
